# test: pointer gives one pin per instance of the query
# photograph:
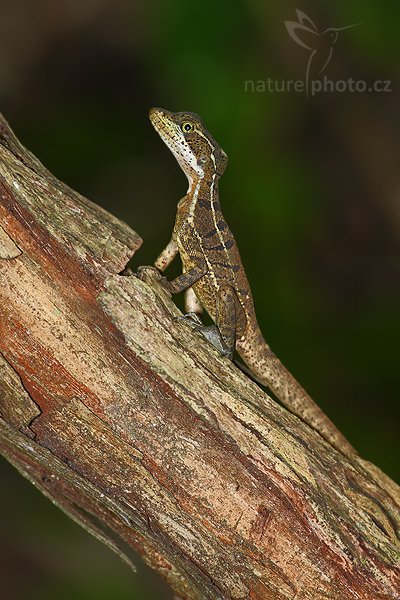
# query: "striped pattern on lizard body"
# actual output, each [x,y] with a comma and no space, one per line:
[213,269]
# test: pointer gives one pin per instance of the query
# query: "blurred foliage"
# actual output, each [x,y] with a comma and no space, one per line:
[311,191]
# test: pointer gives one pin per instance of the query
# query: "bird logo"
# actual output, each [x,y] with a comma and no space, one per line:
[320,43]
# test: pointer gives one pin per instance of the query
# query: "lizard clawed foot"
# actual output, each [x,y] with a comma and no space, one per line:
[148,274]
[226,351]
[209,332]
[152,276]
[191,318]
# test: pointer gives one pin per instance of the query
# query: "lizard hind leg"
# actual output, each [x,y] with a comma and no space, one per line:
[226,318]
[210,332]
[192,303]
[221,335]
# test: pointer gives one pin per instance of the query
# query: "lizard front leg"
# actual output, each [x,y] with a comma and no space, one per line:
[184,281]
[166,257]
[177,285]
[153,274]
[192,303]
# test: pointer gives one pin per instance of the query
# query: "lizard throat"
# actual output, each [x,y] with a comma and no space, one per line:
[203,194]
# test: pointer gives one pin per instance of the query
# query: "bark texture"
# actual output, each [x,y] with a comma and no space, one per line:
[137,428]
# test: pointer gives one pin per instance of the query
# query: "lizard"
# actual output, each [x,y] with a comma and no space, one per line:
[213,275]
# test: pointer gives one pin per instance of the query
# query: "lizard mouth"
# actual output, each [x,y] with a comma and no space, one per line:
[172,136]
[162,124]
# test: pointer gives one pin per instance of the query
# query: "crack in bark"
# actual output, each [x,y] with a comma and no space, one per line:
[9,250]
[16,403]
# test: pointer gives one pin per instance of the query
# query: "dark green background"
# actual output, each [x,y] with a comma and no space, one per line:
[312,193]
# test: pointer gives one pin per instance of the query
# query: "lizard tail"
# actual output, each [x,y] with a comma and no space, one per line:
[269,371]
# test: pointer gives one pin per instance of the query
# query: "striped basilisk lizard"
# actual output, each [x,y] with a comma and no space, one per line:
[213,274]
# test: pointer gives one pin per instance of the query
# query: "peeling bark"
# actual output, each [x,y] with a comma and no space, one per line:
[133,424]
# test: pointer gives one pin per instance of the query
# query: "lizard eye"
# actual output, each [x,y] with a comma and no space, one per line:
[187,127]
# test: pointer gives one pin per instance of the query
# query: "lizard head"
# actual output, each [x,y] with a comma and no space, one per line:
[189,141]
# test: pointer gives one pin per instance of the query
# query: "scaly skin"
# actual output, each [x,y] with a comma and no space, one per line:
[213,270]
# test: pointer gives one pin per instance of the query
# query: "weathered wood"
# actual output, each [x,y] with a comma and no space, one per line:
[132,423]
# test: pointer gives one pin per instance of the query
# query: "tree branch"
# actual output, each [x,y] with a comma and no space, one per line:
[139,430]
